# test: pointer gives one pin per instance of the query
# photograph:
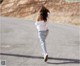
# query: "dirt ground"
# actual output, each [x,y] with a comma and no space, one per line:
[61,11]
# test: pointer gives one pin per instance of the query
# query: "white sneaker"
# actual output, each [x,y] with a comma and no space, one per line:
[46,57]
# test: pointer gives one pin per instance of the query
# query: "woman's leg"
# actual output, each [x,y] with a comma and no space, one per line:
[42,37]
[46,33]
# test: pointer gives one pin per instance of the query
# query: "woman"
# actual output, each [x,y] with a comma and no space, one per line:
[42,28]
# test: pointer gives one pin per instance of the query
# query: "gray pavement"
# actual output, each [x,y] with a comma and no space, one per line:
[20,45]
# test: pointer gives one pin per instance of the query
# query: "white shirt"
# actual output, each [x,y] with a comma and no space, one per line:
[41,25]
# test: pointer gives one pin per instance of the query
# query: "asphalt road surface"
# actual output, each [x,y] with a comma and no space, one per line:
[20,45]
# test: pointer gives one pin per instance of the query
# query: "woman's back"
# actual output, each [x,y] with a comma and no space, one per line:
[41,25]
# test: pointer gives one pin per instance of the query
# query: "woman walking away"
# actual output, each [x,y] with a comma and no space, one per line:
[42,28]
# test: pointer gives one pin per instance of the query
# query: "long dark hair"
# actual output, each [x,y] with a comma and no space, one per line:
[44,13]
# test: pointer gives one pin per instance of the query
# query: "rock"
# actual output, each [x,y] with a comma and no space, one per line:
[24,8]
[1,1]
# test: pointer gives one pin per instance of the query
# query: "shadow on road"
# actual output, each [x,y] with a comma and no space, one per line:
[64,60]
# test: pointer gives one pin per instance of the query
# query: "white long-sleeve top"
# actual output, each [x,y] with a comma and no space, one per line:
[41,25]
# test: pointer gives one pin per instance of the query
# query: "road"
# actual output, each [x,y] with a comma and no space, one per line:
[20,45]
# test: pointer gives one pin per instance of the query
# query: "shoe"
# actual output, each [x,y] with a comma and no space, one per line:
[45,58]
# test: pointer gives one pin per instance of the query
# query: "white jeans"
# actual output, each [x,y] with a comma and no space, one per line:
[42,36]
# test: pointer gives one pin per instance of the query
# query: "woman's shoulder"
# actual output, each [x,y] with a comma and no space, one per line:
[41,21]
